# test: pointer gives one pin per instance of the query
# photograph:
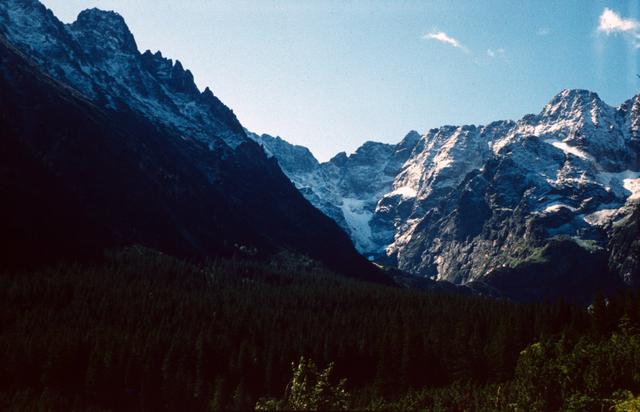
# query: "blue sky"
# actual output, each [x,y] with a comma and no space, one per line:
[332,74]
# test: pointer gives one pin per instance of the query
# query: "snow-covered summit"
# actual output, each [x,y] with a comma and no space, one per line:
[569,171]
[571,102]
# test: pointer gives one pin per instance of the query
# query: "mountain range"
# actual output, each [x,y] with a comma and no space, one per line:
[535,208]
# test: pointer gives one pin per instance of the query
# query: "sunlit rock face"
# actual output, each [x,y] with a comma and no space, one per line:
[462,202]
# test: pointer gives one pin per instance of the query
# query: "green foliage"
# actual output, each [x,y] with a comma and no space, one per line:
[586,376]
[459,396]
[592,374]
[310,390]
[526,254]
[626,403]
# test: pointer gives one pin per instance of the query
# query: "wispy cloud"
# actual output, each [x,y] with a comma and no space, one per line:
[443,37]
[498,54]
[479,58]
[543,31]
[611,22]
[493,53]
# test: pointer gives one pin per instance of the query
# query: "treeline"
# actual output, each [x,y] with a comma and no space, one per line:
[145,331]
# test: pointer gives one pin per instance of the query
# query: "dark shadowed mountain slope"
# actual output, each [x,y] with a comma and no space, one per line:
[624,246]
[347,187]
[77,178]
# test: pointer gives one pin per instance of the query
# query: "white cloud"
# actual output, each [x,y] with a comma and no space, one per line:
[612,22]
[444,38]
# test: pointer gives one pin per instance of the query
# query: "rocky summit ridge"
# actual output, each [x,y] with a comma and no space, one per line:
[470,203]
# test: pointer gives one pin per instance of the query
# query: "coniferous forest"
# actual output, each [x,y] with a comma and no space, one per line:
[144,331]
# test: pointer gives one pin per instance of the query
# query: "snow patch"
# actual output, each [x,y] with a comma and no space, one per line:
[568,149]
[405,192]
[556,206]
[629,179]
[601,217]
[358,218]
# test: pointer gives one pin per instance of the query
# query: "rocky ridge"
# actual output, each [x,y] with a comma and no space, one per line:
[463,202]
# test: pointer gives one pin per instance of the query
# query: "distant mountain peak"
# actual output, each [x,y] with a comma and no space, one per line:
[99,16]
[98,56]
[173,73]
[576,96]
[339,158]
[572,103]
[410,138]
[105,27]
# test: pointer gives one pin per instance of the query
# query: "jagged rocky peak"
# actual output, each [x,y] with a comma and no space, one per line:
[339,159]
[173,74]
[291,158]
[105,30]
[630,110]
[98,56]
[371,152]
[630,106]
[182,80]
[208,96]
[409,140]
[403,150]
[575,104]
[578,123]
[157,65]
[29,25]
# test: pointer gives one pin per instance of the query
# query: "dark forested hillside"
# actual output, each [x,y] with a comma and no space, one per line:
[149,332]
